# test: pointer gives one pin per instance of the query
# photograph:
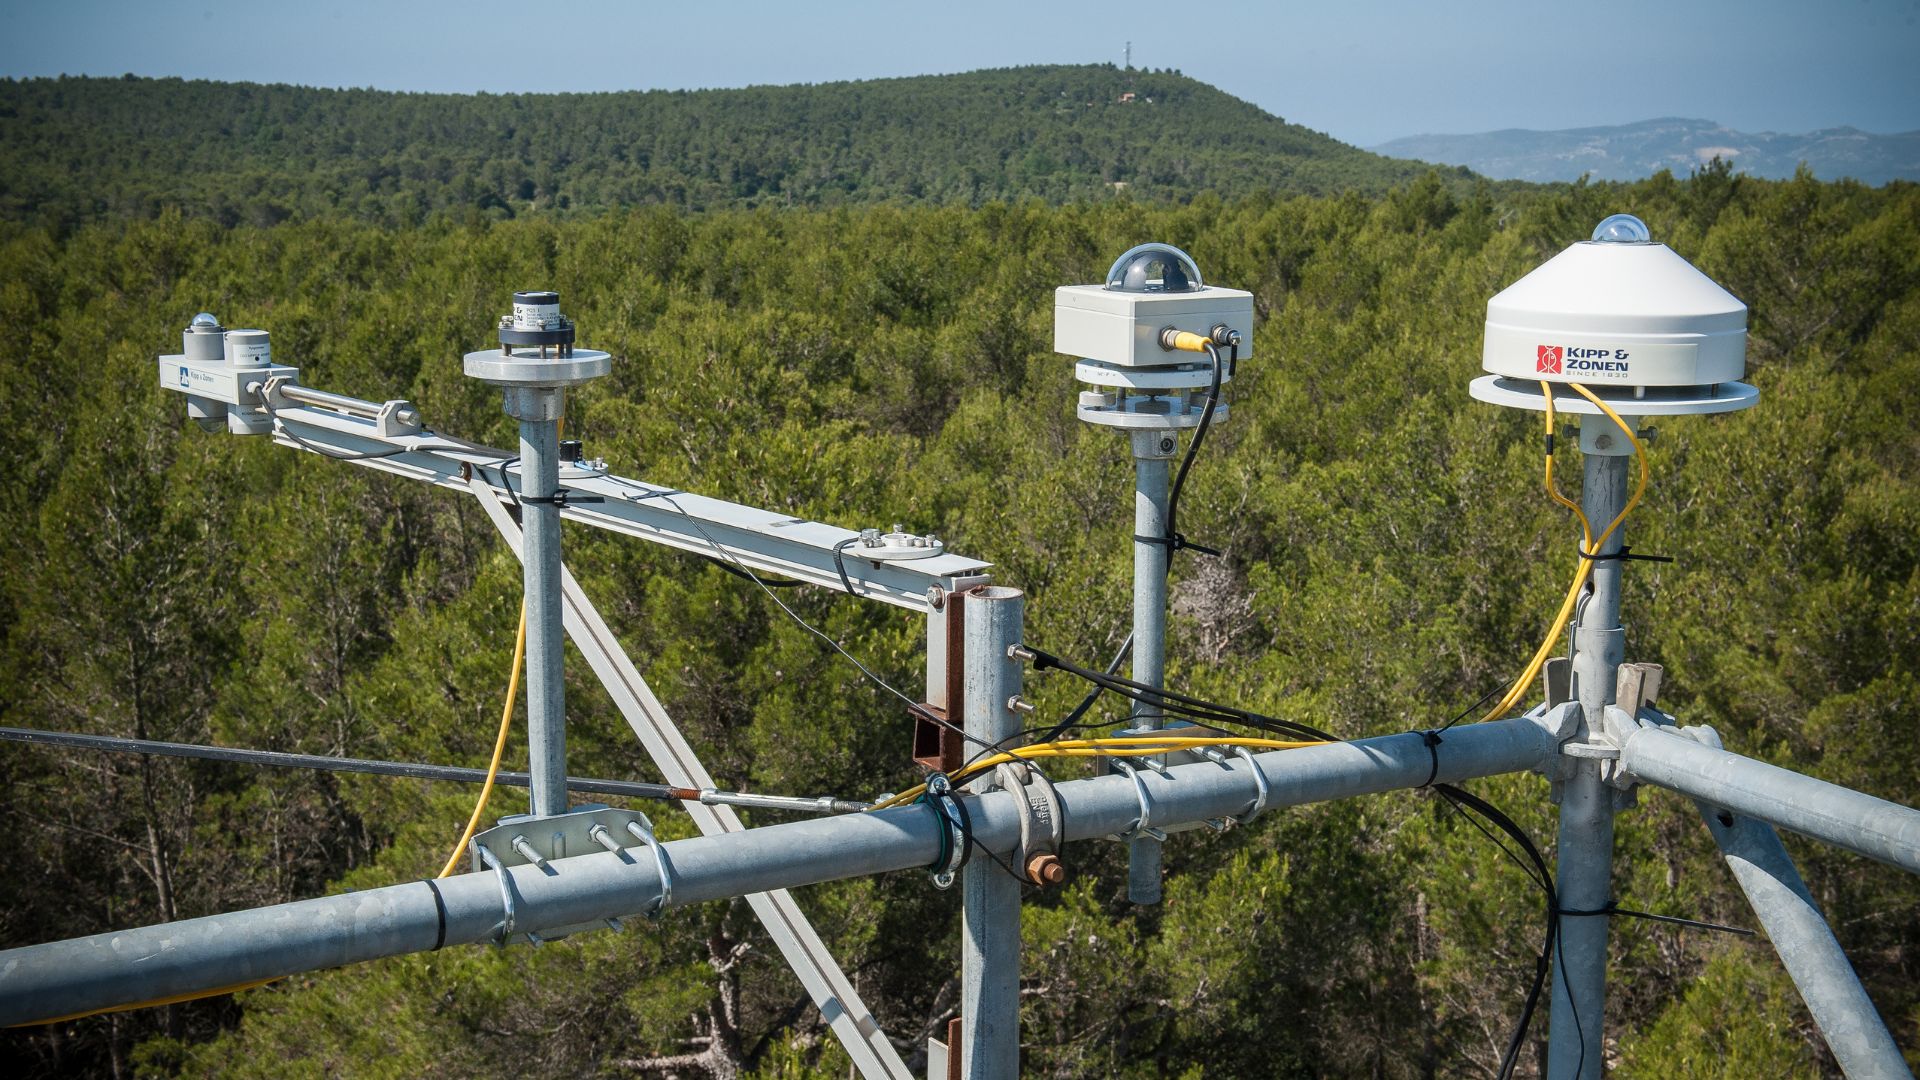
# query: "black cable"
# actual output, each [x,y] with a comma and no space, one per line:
[914,707]
[1175,702]
[771,583]
[274,415]
[1549,949]
[322,762]
[1049,732]
[840,563]
[1177,541]
[505,482]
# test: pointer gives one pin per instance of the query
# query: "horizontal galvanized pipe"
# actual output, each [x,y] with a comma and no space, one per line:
[1840,816]
[59,978]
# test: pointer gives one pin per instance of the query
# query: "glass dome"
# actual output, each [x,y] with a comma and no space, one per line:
[205,321]
[1622,229]
[1154,268]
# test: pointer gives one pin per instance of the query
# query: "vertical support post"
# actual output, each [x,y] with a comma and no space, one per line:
[990,901]
[539,409]
[1585,859]
[1847,1019]
[1152,454]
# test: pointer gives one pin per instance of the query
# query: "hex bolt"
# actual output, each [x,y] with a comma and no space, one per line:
[1046,869]
[1021,652]
[604,838]
[527,852]
[1019,705]
[936,598]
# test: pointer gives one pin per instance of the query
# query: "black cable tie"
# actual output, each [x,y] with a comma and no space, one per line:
[440,911]
[1625,555]
[563,498]
[1549,444]
[1432,740]
[1613,908]
[1176,542]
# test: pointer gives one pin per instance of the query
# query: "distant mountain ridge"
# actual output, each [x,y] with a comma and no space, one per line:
[1634,151]
[79,149]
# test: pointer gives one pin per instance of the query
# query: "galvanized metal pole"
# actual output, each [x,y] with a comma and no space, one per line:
[42,981]
[990,901]
[1152,454]
[1854,1031]
[539,410]
[1585,853]
[1780,797]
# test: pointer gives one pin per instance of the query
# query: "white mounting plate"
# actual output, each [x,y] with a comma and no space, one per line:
[496,367]
[1145,414]
[1723,397]
[897,547]
[1181,377]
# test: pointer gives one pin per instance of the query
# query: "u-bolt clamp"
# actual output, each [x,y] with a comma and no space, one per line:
[1042,822]
[1259,788]
[642,831]
[954,831]
[508,917]
[1142,826]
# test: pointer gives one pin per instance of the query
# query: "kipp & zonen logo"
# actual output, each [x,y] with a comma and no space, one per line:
[1560,359]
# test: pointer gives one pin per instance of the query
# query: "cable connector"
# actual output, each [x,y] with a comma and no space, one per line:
[1174,339]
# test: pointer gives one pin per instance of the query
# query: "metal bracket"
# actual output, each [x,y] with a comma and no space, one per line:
[547,842]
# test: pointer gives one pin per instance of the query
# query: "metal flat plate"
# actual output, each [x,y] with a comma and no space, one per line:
[1184,377]
[496,367]
[1657,400]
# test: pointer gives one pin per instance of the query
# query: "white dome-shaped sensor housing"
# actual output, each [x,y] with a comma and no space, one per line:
[1618,310]
[1154,268]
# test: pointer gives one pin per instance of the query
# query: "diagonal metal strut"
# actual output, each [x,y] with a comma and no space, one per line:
[832,991]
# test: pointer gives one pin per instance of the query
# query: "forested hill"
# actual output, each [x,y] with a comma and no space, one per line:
[79,149]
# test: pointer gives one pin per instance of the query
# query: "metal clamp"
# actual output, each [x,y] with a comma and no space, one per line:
[642,830]
[1142,826]
[1042,821]
[945,804]
[1260,790]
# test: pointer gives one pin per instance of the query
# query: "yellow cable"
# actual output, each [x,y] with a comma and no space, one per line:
[453,860]
[506,723]
[499,744]
[171,1000]
[1592,547]
[1145,746]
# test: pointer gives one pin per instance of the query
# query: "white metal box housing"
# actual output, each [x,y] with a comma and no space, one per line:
[1123,328]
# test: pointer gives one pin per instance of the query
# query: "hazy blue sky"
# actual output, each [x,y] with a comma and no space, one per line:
[1361,71]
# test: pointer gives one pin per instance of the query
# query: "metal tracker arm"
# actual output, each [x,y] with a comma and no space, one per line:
[831,990]
[767,542]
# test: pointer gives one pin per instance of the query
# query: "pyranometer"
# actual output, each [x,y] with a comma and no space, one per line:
[1625,317]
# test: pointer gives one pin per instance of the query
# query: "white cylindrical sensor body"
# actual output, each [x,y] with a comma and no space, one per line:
[248,348]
